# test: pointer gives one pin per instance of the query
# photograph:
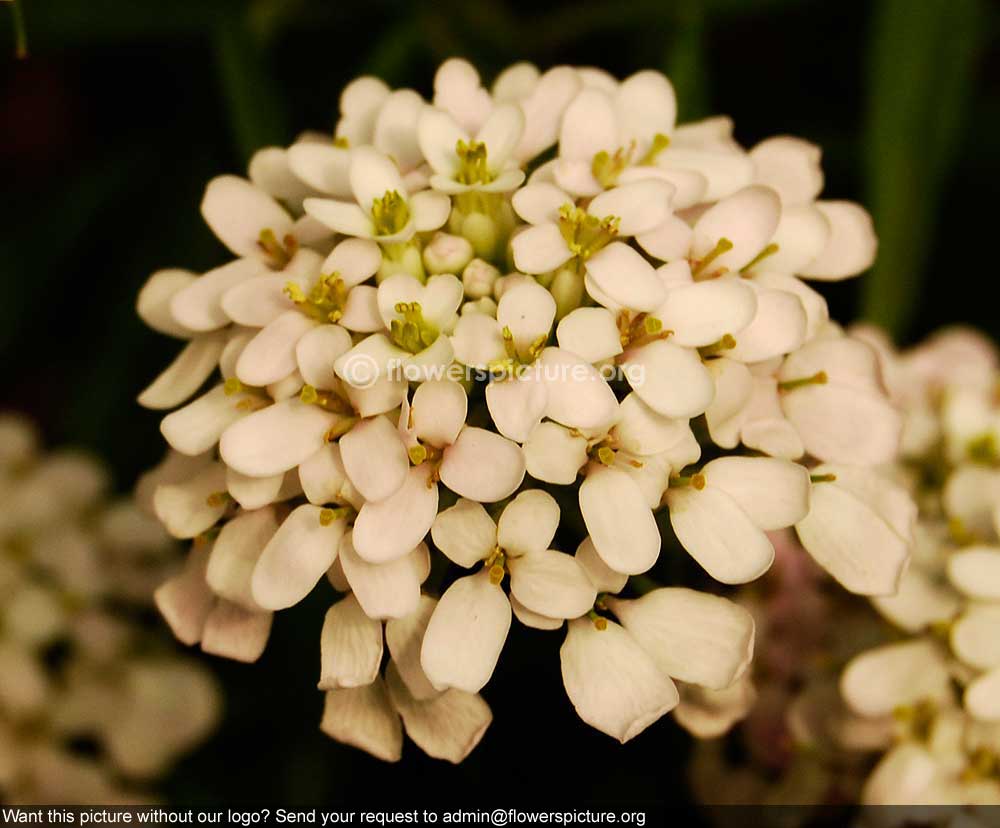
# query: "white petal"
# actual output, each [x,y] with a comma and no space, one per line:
[317,351]
[532,619]
[187,509]
[396,128]
[981,696]
[369,362]
[642,431]
[430,210]
[528,523]
[466,634]
[372,175]
[393,527]
[374,458]
[528,310]
[186,373]
[901,778]
[438,411]
[852,542]
[726,172]
[802,235]
[457,90]
[577,394]
[270,171]
[404,637]
[322,475]
[554,454]
[552,584]
[851,246]
[294,560]
[354,261]
[386,590]
[360,103]
[235,554]
[589,333]
[275,439]
[718,534]
[614,686]
[603,577]
[254,492]
[625,276]
[361,312]
[477,341]
[270,355]
[342,216]
[670,379]
[778,328]
[702,313]
[646,105]
[258,301]
[198,426]
[689,186]
[919,602]
[789,166]
[539,203]
[974,638]
[517,405]
[185,600]
[690,635]
[465,533]
[448,726]
[483,466]
[501,133]
[350,646]
[733,387]
[669,241]
[642,206]
[817,312]
[439,299]
[589,126]
[878,681]
[747,218]
[364,718]
[153,302]
[544,108]
[234,632]
[540,248]
[620,524]
[975,571]
[773,493]
[198,307]
[237,212]
[323,167]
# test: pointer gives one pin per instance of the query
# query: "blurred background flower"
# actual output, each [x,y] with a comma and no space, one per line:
[123,110]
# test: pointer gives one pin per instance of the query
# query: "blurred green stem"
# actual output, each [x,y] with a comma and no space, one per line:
[686,65]
[921,58]
[20,30]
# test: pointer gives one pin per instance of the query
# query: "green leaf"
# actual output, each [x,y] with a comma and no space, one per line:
[922,56]
[256,106]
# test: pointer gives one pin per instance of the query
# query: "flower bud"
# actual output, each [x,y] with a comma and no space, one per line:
[406,260]
[478,278]
[481,231]
[567,288]
[484,305]
[447,254]
[505,283]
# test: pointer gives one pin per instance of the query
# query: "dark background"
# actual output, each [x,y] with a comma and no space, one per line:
[125,108]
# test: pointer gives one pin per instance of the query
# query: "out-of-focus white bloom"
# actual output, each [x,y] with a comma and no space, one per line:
[76,573]
[423,313]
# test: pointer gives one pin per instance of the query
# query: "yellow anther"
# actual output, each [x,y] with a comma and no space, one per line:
[585,234]
[726,343]
[341,142]
[217,499]
[417,454]
[770,250]
[695,481]
[823,478]
[984,449]
[472,167]
[309,395]
[600,622]
[390,214]
[412,333]
[326,299]
[496,574]
[723,245]
[606,456]
[606,167]
[281,252]
[340,428]
[660,143]
[819,378]
[328,516]
[233,386]
[652,325]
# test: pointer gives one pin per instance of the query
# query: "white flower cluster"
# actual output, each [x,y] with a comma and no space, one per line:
[455,323]
[936,690]
[77,662]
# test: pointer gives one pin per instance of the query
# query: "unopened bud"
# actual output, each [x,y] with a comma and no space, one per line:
[447,254]
[406,259]
[478,278]
[481,231]
[567,290]
[485,306]
[505,283]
